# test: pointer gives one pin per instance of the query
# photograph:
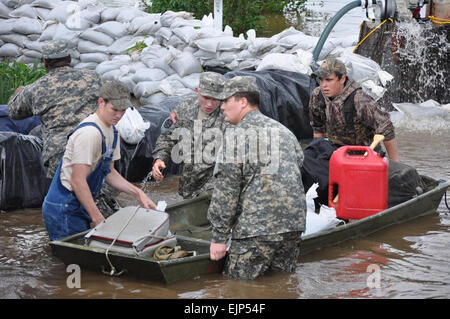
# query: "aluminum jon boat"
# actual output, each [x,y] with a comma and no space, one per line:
[189,223]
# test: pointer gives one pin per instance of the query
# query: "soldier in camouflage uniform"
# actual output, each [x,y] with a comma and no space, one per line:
[261,209]
[328,112]
[62,98]
[189,121]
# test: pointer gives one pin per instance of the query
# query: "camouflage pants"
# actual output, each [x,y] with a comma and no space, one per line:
[251,257]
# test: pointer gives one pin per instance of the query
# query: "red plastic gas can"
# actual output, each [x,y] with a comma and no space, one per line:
[362,179]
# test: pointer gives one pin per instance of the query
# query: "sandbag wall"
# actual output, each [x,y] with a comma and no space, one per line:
[178,46]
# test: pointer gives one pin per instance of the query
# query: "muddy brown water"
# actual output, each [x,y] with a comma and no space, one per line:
[413,258]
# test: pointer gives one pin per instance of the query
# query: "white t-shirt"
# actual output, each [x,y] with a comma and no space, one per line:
[85,147]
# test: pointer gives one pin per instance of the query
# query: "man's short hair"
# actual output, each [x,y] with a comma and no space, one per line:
[253,98]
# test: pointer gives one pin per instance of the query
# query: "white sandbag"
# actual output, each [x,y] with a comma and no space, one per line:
[4,11]
[231,44]
[42,13]
[191,81]
[97,57]
[24,11]
[1,42]
[146,74]
[85,46]
[97,37]
[175,42]
[171,86]
[10,49]
[164,33]
[149,28]
[114,29]
[187,33]
[146,88]
[48,4]
[248,64]
[49,32]
[260,46]
[76,22]
[278,36]
[109,65]
[158,63]
[168,17]
[26,59]
[296,39]
[109,14]
[70,36]
[186,64]
[92,13]
[63,11]
[132,126]
[111,75]
[27,26]
[87,65]
[123,44]
[180,23]
[138,22]
[11,3]
[32,53]
[126,15]
[153,99]
[289,62]
[135,66]
[16,39]
[6,26]
[208,44]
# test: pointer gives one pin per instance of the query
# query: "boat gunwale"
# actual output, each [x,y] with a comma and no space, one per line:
[440,187]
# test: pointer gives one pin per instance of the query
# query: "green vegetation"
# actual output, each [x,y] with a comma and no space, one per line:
[15,74]
[240,15]
[138,47]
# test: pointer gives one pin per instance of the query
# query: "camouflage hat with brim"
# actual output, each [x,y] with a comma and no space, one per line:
[239,84]
[55,49]
[211,84]
[117,93]
[330,66]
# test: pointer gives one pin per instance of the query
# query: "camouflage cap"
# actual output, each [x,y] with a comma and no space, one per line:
[211,84]
[239,84]
[116,93]
[329,66]
[55,49]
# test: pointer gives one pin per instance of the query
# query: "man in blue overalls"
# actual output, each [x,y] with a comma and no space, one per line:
[87,163]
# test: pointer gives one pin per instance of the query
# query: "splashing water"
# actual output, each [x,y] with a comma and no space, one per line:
[422,50]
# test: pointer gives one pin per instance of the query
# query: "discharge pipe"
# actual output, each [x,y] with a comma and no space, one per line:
[330,26]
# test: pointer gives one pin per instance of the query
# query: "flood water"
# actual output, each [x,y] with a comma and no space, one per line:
[413,258]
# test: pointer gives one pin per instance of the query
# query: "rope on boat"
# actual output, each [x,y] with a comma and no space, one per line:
[113,269]
[439,20]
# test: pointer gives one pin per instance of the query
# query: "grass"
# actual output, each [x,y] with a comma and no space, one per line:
[15,74]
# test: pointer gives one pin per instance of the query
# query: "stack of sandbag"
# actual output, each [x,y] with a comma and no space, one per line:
[157,55]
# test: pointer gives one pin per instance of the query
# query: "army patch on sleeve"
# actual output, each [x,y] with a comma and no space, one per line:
[174,117]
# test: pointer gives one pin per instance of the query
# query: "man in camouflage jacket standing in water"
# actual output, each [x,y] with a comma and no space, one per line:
[258,201]
[185,137]
[62,99]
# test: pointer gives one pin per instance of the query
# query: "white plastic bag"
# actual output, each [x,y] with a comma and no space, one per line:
[132,127]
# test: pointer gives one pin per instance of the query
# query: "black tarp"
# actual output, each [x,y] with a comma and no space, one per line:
[284,98]
[23,183]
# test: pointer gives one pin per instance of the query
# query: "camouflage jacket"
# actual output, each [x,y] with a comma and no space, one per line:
[198,138]
[62,99]
[327,117]
[262,195]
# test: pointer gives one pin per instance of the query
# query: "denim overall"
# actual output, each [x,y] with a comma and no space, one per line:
[62,212]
